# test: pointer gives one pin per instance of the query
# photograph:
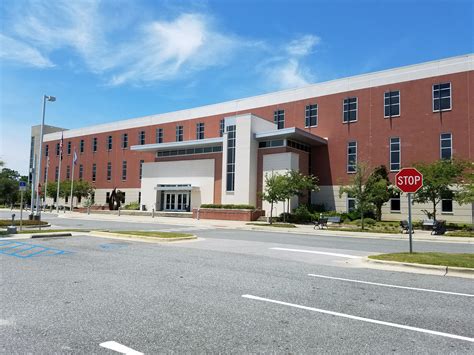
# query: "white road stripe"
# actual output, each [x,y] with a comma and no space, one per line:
[319,252]
[394,286]
[113,345]
[368,320]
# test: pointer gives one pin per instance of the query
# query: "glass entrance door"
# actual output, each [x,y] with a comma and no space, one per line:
[176,201]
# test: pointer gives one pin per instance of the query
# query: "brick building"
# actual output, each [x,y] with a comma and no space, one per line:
[220,153]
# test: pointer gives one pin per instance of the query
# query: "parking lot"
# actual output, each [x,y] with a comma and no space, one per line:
[90,295]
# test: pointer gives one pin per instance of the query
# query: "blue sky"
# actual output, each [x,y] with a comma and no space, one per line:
[112,60]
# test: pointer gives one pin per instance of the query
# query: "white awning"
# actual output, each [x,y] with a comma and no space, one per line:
[198,143]
[175,188]
[292,133]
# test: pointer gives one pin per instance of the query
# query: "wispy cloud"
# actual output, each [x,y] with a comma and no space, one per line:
[22,53]
[287,69]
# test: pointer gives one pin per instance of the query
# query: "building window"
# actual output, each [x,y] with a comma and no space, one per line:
[56,174]
[124,140]
[68,172]
[109,171]
[141,137]
[441,97]
[446,206]
[94,144]
[81,146]
[58,148]
[159,135]
[69,148]
[109,143]
[141,169]
[395,154]
[230,178]
[200,130]
[349,110]
[46,150]
[351,204]
[395,204]
[107,197]
[179,133]
[351,157]
[279,118]
[122,198]
[124,170]
[311,115]
[221,127]
[81,171]
[94,172]
[392,104]
[446,146]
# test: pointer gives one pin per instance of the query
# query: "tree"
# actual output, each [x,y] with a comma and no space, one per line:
[297,184]
[379,189]
[358,190]
[9,186]
[82,189]
[439,181]
[465,193]
[275,189]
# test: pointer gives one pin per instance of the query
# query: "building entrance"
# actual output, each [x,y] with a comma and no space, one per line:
[176,201]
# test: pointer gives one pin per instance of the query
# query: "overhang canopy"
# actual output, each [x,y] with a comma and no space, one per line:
[199,143]
[292,133]
[175,187]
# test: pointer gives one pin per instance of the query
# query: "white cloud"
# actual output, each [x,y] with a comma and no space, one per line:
[303,46]
[21,53]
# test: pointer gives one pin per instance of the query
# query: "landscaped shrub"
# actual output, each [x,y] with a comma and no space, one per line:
[228,206]
[367,221]
[132,206]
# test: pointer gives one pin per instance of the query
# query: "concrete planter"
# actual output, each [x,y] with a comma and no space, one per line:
[227,214]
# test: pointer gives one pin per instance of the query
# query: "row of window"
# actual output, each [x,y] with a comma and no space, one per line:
[141,139]
[391,101]
[445,152]
[94,171]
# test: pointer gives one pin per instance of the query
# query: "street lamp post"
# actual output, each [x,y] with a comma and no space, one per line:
[51,99]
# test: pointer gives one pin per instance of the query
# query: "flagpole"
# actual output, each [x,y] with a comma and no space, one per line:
[59,174]
[72,178]
[46,181]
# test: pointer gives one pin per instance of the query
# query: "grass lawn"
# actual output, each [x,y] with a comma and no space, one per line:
[444,259]
[276,225]
[464,234]
[154,234]
[27,222]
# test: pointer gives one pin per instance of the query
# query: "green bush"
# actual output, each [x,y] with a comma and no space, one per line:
[228,206]
[132,206]
[367,221]
[301,214]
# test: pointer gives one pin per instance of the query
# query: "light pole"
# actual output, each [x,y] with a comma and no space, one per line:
[51,99]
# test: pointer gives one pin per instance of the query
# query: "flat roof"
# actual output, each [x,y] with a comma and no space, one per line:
[292,133]
[451,65]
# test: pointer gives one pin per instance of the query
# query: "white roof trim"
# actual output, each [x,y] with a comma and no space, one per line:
[177,145]
[407,73]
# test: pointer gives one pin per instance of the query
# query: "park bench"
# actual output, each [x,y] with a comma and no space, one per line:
[321,223]
[335,219]
[439,228]
[404,228]
[428,224]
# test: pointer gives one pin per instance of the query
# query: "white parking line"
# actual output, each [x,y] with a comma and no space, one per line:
[394,286]
[368,320]
[113,345]
[319,252]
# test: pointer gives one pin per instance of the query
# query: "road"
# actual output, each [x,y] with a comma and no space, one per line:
[233,291]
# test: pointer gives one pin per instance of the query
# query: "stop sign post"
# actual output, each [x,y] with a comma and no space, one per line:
[409,180]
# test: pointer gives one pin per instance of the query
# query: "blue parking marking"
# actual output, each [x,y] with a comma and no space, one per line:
[27,250]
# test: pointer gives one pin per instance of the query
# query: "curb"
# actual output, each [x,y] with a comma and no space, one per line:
[140,238]
[50,235]
[443,270]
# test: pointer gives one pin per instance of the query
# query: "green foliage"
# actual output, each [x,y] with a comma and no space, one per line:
[379,189]
[439,181]
[368,221]
[275,190]
[9,186]
[80,189]
[132,206]
[465,194]
[228,206]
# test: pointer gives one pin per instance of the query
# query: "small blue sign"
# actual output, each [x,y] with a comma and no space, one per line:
[22,186]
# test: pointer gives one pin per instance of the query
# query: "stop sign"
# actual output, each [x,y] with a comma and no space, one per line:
[409,180]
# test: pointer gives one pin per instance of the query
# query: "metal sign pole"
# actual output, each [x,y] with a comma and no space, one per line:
[409,221]
[21,210]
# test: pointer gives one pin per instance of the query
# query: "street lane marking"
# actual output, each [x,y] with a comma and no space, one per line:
[319,252]
[394,286]
[113,345]
[368,320]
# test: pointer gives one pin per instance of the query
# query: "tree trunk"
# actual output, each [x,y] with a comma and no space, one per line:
[362,218]
[434,210]
[379,213]
[271,212]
